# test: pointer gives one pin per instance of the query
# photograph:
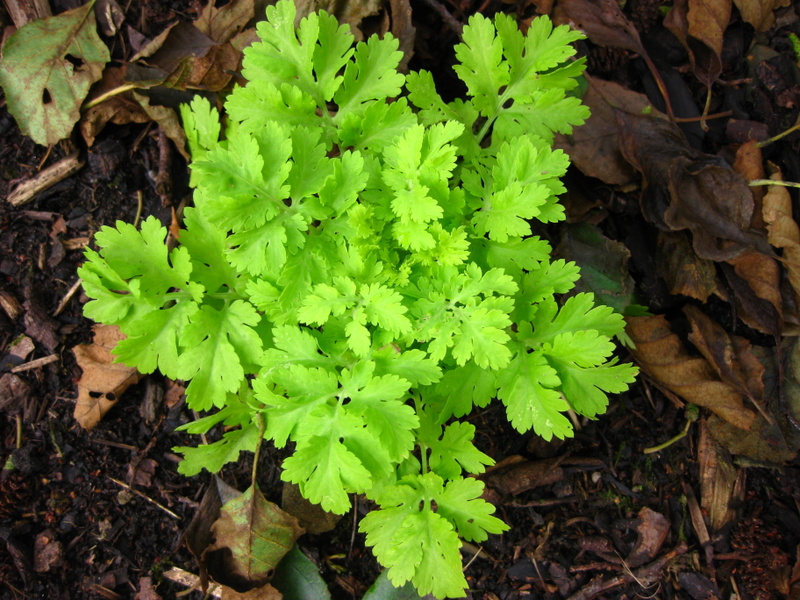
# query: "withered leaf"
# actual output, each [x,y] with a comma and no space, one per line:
[662,355]
[103,381]
[700,26]
[257,534]
[687,189]
[684,272]
[782,230]
[731,356]
[594,146]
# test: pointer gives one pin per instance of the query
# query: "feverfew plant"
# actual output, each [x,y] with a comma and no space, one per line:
[359,272]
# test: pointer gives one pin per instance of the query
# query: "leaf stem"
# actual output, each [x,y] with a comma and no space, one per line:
[262,426]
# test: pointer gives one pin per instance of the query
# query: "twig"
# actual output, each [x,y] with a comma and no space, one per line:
[35,364]
[141,495]
[449,19]
[67,297]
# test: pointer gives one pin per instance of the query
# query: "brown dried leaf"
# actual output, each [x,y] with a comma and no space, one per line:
[602,21]
[684,272]
[594,147]
[222,24]
[720,482]
[760,13]
[730,356]
[782,230]
[514,475]
[662,355]
[311,517]
[700,26]
[103,381]
[687,189]
[759,300]
[765,442]
[256,534]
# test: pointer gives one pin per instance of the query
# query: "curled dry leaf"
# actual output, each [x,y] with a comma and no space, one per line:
[760,13]
[721,483]
[731,356]
[782,230]
[684,272]
[662,355]
[687,189]
[755,279]
[103,381]
[700,26]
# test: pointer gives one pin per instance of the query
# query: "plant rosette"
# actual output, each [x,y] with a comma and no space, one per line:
[359,272]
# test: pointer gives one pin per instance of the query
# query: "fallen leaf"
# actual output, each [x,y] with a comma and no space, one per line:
[684,272]
[760,13]
[103,380]
[782,230]
[731,356]
[721,483]
[687,189]
[311,517]
[662,355]
[603,263]
[651,532]
[198,535]
[47,69]
[764,442]
[756,283]
[255,535]
[700,26]
[222,24]
[602,21]
[594,146]
[515,475]
[167,119]
[349,12]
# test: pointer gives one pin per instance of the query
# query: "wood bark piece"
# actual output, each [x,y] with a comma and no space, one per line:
[27,190]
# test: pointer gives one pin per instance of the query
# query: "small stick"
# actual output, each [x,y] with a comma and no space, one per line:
[35,364]
[67,297]
[141,495]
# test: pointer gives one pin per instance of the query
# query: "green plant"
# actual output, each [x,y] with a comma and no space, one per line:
[358,274]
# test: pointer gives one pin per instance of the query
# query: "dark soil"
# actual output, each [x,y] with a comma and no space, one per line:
[94,514]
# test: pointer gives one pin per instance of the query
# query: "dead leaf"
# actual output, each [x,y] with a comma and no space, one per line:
[662,355]
[103,381]
[198,535]
[651,532]
[684,272]
[721,483]
[167,119]
[222,24]
[782,230]
[515,475]
[255,535]
[765,442]
[603,263]
[14,393]
[349,12]
[700,26]
[756,283]
[760,13]
[602,21]
[311,517]
[594,146]
[731,356]
[687,189]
